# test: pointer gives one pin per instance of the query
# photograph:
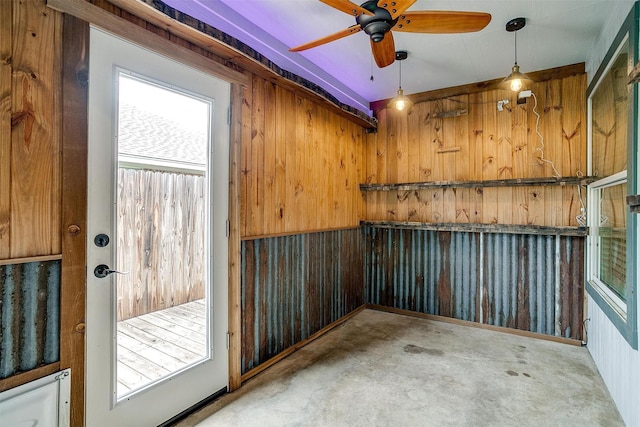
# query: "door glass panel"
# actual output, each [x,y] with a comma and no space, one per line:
[161,216]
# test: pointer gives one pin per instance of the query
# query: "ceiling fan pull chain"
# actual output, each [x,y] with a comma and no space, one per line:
[371,64]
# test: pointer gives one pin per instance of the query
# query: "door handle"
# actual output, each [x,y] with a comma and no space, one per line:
[103,270]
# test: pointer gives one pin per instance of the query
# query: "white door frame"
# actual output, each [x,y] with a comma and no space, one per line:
[172,395]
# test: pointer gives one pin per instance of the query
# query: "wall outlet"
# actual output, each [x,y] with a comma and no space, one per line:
[524,94]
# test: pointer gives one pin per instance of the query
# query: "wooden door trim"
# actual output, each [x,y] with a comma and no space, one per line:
[75,52]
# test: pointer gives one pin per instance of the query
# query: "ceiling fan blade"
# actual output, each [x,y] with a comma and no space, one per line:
[442,22]
[395,7]
[384,51]
[347,7]
[326,39]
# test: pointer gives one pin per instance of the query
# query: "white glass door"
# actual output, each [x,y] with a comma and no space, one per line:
[157,246]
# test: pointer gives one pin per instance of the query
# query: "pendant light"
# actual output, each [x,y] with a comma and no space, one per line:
[516,81]
[401,102]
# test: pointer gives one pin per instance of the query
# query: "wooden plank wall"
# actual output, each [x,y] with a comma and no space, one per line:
[30,117]
[30,134]
[301,161]
[301,164]
[488,144]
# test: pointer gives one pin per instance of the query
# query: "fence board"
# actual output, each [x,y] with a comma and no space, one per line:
[161,223]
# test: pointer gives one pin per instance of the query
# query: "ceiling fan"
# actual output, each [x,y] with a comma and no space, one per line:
[379,17]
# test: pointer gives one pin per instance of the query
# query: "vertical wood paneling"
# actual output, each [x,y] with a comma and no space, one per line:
[6,29]
[298,157]
[574,154]
[492,145]
[74,206]
[235,297]
[35,140]
[295,285]
[247,180]
[30,168]
[489,157]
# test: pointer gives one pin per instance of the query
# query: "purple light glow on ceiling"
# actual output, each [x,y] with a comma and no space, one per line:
[237,23]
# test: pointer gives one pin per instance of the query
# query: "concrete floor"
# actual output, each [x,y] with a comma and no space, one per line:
[382,369]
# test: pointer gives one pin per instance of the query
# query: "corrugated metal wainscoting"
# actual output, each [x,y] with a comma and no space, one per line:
[293,286]
[29,316]
[528,282]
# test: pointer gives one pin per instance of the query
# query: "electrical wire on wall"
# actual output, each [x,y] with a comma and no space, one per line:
[540,148]
[581,218]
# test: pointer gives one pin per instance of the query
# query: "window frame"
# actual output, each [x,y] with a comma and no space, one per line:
[594,270]
[623,314]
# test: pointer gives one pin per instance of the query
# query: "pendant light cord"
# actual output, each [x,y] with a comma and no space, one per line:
[515,46]
[400,76]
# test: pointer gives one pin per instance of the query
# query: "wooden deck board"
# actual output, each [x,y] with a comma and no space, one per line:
[153,345]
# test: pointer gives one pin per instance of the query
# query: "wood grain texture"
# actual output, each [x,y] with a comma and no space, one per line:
[30,130]
[203,39]
[301,164]
[135,28]
[235,191]
[501,148]
[6,30]
[165,207]
[75,48]
[479,87]
[25,377]
[34,188]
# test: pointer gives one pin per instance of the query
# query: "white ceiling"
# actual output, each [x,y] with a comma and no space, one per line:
[558,32]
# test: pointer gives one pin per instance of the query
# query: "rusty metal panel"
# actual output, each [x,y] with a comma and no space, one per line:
[571,291]
[293,286]
[520,281]
[425,271]
[29,316]
[529,282]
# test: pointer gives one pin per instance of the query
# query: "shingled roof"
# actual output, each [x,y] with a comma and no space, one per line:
[145,137]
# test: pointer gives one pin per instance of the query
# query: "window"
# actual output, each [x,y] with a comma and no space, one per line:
[608,240]
[612,241]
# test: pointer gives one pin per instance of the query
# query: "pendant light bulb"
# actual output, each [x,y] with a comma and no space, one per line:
[516,81]
[401,101]
[516,85]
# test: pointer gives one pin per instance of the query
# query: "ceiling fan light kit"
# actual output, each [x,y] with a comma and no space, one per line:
[516,81]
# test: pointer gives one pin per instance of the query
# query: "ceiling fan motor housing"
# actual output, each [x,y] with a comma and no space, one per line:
[378,24]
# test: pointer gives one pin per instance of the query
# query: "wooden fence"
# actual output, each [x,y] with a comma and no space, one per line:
[161,231]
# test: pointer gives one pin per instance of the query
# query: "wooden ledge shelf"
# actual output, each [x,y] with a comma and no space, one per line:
[480,228]
[515,182]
